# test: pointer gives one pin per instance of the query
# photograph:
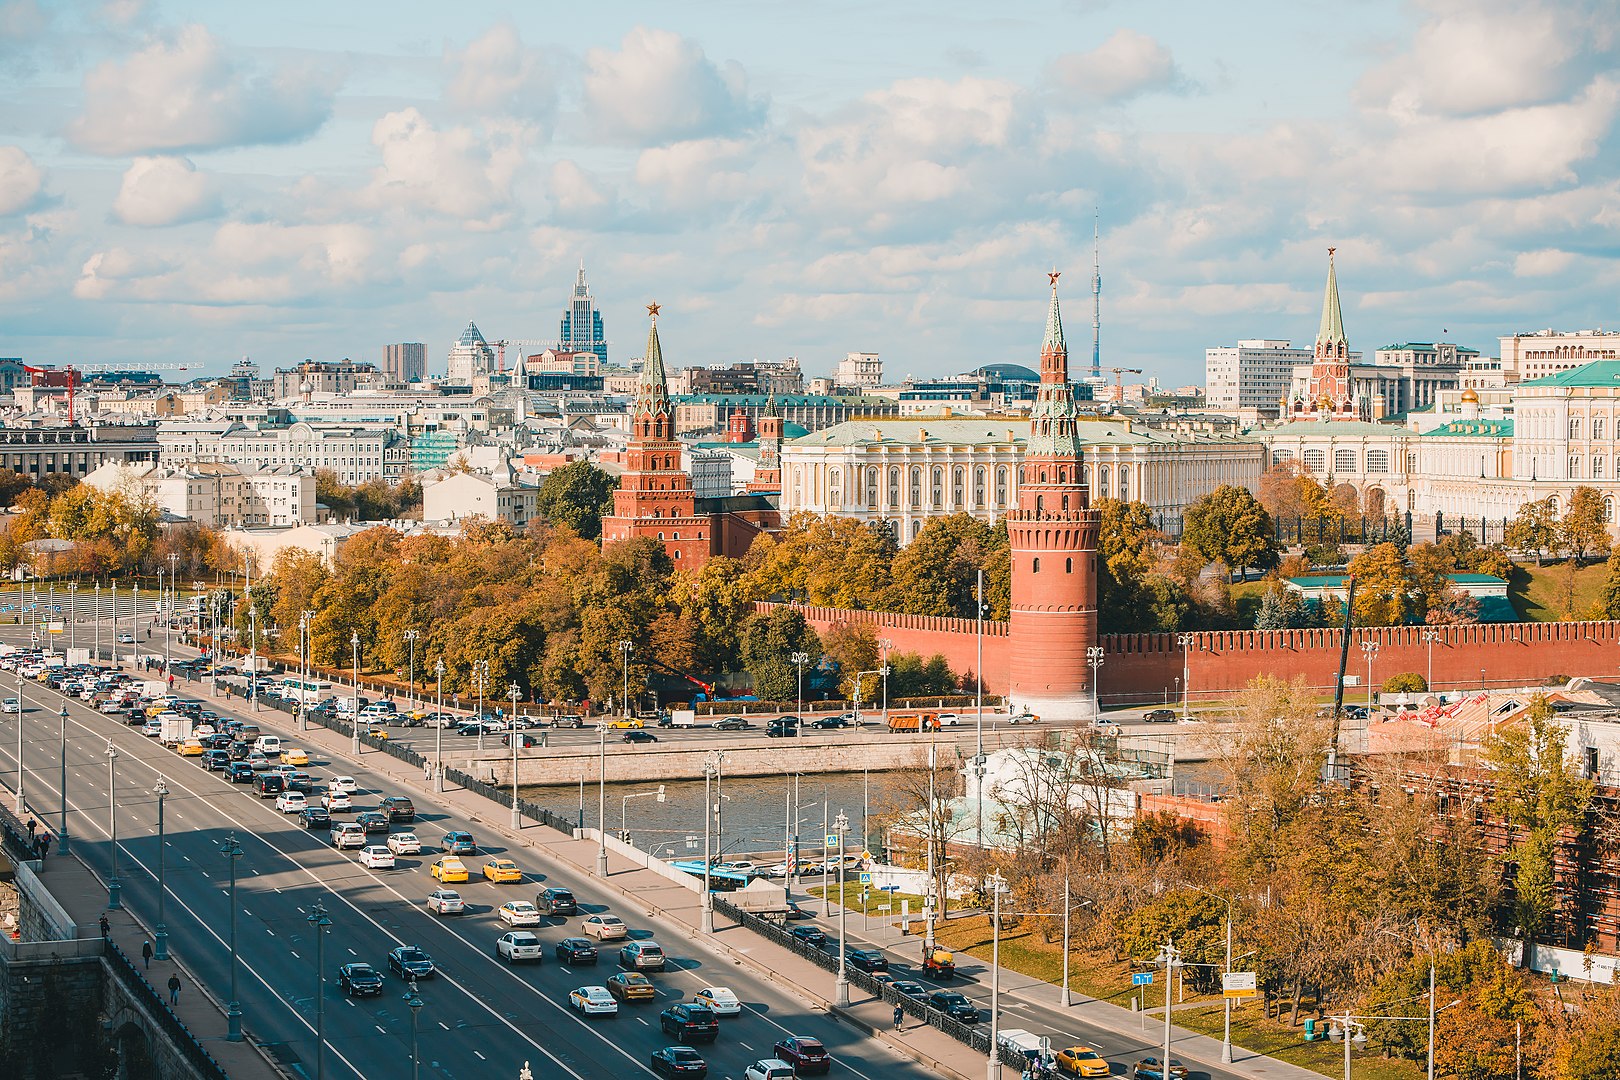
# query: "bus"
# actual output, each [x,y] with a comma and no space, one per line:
[308,691]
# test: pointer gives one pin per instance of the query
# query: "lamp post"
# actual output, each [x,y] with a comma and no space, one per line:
[354,651]
[114,889]
[624,807]
[626,647]
[157,613]
[20,773]
[601,798]
[1186,641]
[233,1012]
[64,844]
[517,737]
[160,937]
[410,638]
[303,669]
[1429,638]
[480,676]
[1094,660]
[319,922]
[73,614]
[799,659]
[414,1001]
[978,645]
[1370,650]
[997,883]
[438,729]
[168,623]
[841,984]
[98,622]
[1170,957]
[885,645]
[711,768]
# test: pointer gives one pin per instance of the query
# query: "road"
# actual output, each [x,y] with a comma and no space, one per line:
[481,1017]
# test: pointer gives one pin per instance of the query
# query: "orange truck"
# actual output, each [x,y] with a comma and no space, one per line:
[913,722]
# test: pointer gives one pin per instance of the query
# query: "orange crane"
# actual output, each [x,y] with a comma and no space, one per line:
[72,375]
[500,346]
[1119,380]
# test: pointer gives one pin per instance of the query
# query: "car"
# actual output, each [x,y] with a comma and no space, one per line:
[448,869]
[344,784]
[782,727]
[360,980]
[411,963]
[377,732]
[639,737]
[299,780]
[446,902]
[315,817]
[681,1061]
[718,1000]
[948,719]
[292,755]
[189,748]
[955,1006]
[269,785]
[336,800]
[769,1069]
[398,808]
[459,843]
[622,722]
[258,761]
[795,912]
[1152,1068]
[593,1001]
[520,946]
[1081,1061]
[914,990]
[404,843]
[372,821]
[503,872]
[1023,718]
[642,956]
[215,760]
[732,723]
[556,902]
[809,935]
[828,722]
[346,834]
[605,927]
[1159,716]
[689,1022]
[805,1054]
[867,960]
[575,950]
[519,913]
[631,986]
[376,857]
[292,802]
[126,639]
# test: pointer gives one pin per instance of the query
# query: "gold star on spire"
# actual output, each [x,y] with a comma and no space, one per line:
[653,308]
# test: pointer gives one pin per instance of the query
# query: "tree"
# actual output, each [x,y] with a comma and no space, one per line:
[1281,608]
[1132,594]
[1386,593]
[1407,682]
[1230,526]
[578,495]
[1534,529]
[1609,600]
[1583,530]
[768,642]
[937,573]
[1289,492]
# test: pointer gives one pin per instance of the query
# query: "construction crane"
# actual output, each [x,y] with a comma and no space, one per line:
[1119,379]
[72,375]
[500,346]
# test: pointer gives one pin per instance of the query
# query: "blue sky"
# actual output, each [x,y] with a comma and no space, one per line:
[194,182]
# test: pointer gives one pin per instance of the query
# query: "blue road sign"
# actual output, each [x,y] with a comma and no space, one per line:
[1141,978]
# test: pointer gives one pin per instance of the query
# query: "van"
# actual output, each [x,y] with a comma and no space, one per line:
[1032,1046]
[270,785]
[268,745]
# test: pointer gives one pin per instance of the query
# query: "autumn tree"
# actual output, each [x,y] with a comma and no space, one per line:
[826,560]
[1289,492]
[1584,531]
[1386,592]
[578,495]
[853,646]
[1534,529]
[1231,527]
[937,573]
[1133,594]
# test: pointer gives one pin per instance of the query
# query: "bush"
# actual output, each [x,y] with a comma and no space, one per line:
[1326,555]
[1407,682]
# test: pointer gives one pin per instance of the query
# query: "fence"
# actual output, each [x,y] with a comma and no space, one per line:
[178,1034]
[976,1038]
[503,797]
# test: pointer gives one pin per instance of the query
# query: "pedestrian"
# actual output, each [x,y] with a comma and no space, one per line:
[174,989]
[106,927]
[32,825]
[427,771]
[146,952]
[44,845]
[899,1018]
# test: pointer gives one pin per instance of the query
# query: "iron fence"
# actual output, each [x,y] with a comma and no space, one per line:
[503,797]
[179,1035]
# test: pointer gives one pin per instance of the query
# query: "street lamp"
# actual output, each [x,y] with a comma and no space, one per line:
[73,615]
[799,659]
[20,773]
[160,938]
[997,883]
[63,843]
[1186,641]
[885,645]
[711,769]
[1170,957]
[354,725]
[233,1012]
[318,920]
[303,669]
[410,637]
[624,807]
[113,888]
[841,984]
[1370,650]
[978,662]
[517,737]
[1094,660]
[1429,638]
[480,676]
[98,622]
[601,796]
[415,1002]
[1226,1033]
[626,648]
[438,729]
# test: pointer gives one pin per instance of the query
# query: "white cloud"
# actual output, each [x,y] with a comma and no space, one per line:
[22,184]
[186,94]
[497,73]
[1128,64]
[453,171]
[160,191]
[1543,263]
[577,195]
[660,87]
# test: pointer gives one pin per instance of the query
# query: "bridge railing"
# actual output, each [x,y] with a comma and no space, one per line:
[178,1034]
[503,797]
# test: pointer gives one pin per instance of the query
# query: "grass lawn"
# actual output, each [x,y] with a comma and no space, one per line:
[1024,949]
[1537,593]
[1246,597]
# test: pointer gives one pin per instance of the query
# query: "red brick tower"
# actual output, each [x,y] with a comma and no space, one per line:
[1054,551]
[655,495]
[1329,392]
[772,428]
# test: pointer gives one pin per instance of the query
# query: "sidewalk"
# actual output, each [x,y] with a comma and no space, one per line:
[665,898]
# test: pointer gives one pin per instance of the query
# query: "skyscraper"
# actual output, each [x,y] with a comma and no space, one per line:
[405,362]
[582,323]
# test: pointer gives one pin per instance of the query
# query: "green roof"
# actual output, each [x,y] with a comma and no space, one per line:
[1332,328]
[761,400]
[1425,346]
[992,430]
[1597,373]
[1490,429]
[1335,427]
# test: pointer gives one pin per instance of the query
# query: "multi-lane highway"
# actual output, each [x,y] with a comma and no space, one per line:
[481,1017]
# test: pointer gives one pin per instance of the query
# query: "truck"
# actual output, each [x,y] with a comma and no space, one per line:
[938,963]
[899,722]
[173,728]
[688,718]
[154,688]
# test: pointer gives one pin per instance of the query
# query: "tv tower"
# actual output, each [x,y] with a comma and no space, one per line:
[1096,300]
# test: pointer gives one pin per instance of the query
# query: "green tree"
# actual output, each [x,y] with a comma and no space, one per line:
[1195,920]
[1230,526]
[1534,529]
[1132,594]
[853,646]
[912,676]
[937,573]
[768,642]
[1583,530]
[334,494]
[1386,592]
[578,495]
[1609,600]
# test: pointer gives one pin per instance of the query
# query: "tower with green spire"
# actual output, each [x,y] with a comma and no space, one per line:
[1329,392]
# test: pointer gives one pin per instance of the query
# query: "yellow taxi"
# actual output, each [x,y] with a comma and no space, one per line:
[161,705]
[292,755]
[189,748]
[449,869]
[621,722]
[502,871]
[377,732]
[1081,1061]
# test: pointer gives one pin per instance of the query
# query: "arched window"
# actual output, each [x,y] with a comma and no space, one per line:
[677,553]
[916,527]
[1574,467]
[916,488]
[1040,503]
[1280,456]
[1068,566]
[871,487]
[1344,461]
[937,487]
[958,478]
[1315,460]
[1574,427]
[1608,508]
[1597,468]
[1065,502]
[978,486]
[1600,428]
[1035,565]
[1554,504]
[1001,485]
[1125,483]
[1085,475]
[1102,481]
[894,485]
[835,488]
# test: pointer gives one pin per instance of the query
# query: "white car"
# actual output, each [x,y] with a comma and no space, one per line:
[404,843]
[593,1001]
[11,705]
[605,928]
[110,706]
[291,802]
[151,729]
[769,1069]
[520,945]
[519,913]
[721,1002]
[376,857]
[126,639]
[336,800]
[446,902]
[344,784]
[948,719]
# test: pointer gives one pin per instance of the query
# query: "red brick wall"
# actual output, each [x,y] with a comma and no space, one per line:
[926,635]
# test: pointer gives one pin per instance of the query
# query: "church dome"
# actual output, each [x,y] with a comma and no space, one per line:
[1470,397]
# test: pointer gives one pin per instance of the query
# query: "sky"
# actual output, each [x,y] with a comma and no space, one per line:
[192,182]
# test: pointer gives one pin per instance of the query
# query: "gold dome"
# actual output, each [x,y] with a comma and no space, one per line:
[1470,397]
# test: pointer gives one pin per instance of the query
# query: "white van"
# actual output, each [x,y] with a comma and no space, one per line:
[268,745]
[309,691]
[1032,1046]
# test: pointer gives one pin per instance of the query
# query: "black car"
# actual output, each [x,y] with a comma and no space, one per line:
[732,723]
[954,1005]
[867,960]
[782,726]
[398,808]
[810,935]
[556,902]
[315,817]
[372,821]
[411,962]
[795,912]
[576,950]
[680,1061]
[830,722]
[360,980]
[914,990]
[135,716]
[239,750]
[269,785]
[1159,716]
[638,736]
[215,760]
[239,772]
[805,1054]
[690,1022]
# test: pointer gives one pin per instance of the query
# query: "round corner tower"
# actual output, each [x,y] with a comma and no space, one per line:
[1053,535]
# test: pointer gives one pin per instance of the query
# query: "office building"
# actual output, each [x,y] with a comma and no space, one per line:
[581,330]
[405,363]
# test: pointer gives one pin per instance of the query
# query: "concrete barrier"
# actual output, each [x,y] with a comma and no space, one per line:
[643,858]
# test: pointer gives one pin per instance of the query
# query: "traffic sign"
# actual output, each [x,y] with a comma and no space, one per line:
[832,839]
[866,879]
[1239,984]
[1141,978]
[889,888]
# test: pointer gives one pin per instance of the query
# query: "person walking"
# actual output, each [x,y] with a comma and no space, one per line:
[174,989]
[146,952]
[44,846]
[32,825]
[106,928]
[899,1018]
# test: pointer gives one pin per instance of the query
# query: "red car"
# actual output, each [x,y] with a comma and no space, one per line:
[806,1055]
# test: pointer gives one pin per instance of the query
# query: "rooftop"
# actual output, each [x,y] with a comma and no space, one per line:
[1490,429]
[1597,373]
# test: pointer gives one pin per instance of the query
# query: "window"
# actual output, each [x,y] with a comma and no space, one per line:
[871,487]
[1125,483]
[1068,566]
[937,487]
[1600,427]
[1315,460]
[1378,461]
[916,489]
[1574,467]
[958,477]
[1102,481]
[1344,461]
[1608,508]
[1001,485]
[1574,427]
[1554,505]
[1411,463]
[1597,468]
[978,486]
[894,486]
[1035,565]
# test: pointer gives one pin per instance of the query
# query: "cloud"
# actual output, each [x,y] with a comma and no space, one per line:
[184,94]
[453,171]
[578,196]
[660,87]
[1543,263]
[161,191]
[22,185]
[497,73]
[1127,65]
